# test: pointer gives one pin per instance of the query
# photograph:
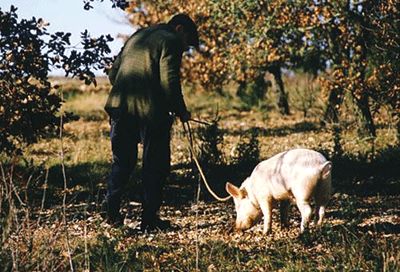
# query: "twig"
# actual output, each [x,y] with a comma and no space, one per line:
[4,190]
[44,196]
[14,255]
[28,238]
[201,122]
[11,213]
[87,256]
[12,187]
[354,235]
[197,226]
[5,194]
[64,216]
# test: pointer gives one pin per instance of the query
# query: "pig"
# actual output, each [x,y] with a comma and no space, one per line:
[297,174]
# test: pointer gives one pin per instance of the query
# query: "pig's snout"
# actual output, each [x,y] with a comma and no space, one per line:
[234,227]
[244,224]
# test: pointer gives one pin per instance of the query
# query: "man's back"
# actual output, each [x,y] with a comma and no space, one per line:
[143,73]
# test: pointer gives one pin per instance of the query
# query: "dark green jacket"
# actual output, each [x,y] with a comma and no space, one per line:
[145,76]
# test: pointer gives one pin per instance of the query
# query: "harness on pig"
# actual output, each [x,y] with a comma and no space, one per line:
[188,133]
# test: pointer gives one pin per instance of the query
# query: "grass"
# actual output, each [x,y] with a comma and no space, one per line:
[361,232]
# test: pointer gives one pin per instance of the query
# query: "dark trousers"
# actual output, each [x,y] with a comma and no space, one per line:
[126,133]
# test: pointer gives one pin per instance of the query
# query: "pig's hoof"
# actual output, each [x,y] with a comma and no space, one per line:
[267,232]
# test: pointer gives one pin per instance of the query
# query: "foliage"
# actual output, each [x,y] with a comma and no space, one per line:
[122,4]
[29,103]
[352,46]
[211,137]
[230,49]
[355,33]
[252,93]
[246,153]
[304,96]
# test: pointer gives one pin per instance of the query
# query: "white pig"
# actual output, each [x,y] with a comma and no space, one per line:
[297,174]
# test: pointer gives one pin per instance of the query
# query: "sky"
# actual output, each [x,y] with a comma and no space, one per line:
[70,16]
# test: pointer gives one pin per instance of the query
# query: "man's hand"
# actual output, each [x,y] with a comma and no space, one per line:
[185,117]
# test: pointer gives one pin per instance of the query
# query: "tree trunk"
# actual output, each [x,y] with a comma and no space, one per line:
[396,120]
[332,110]
[282,95]
[398,130]
[366,126]
[337,94]
[336,135]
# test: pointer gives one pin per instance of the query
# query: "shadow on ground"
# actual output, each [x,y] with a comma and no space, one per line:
[352,174]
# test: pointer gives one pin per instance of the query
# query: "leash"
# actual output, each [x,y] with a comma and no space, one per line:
[200,122]
[188,132]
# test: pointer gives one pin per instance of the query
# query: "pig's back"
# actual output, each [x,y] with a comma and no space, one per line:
[280,173]
[301,157]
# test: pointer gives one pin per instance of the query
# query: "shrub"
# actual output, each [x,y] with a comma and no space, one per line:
[211,138]
[247,153]
[29,105]
[252,93]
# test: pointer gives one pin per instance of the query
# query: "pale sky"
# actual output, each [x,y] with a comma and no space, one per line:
[69,16]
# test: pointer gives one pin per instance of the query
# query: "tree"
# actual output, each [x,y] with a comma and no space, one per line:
[381,26]
[241,40]
[28,104]
[232,47]
[364,49]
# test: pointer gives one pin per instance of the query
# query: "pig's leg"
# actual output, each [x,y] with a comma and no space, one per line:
[284,210]
[306,211]
[322,195]
[266,208]
[321,214]
[320,203]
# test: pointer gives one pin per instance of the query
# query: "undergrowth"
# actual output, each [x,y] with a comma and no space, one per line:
[361,232]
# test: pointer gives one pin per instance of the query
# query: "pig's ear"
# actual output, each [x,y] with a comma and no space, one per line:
[243,193]
[235,191]
[232,190]
[326,169]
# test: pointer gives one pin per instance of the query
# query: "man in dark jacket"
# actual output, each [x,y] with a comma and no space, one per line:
[146,93]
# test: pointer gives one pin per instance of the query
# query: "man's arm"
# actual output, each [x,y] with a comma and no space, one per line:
[170,64]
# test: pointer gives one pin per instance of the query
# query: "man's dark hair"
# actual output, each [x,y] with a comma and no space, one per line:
[189,27]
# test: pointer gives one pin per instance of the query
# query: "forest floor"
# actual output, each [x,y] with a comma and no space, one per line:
[361,231]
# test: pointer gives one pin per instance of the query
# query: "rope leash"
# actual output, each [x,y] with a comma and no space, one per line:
[200,122]
[188,132]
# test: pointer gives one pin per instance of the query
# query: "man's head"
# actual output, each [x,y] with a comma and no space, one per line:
[185,26]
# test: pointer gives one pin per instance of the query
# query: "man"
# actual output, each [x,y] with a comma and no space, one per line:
[145,94]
